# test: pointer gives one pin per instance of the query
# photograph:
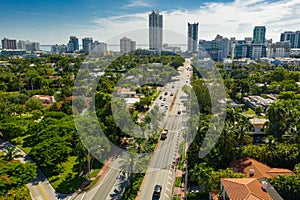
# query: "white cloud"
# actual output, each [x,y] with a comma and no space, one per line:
[234,19]
[137,3]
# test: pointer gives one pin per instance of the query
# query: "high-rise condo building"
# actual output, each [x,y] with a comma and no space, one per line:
[155,31]
[216,49]
[192,37]
[292,37]
[87,44]
[9,44]
[74,40]
[259,35]
[28,45]
[127,45]
[99,47]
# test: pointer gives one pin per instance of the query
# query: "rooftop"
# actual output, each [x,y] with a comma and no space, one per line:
[260,170]
[245,188]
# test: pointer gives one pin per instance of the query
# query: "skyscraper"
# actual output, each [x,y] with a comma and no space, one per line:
[192,37]
[216,49]
[74,40]
[87,44]
[155,31]
[9,44]
[127,45]
[259,35]
[292,37]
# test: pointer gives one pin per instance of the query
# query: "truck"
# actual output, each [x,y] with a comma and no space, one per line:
[164,134]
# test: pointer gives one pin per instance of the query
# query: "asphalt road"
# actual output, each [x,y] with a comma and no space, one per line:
[103,190]
[40,188]
[161,169]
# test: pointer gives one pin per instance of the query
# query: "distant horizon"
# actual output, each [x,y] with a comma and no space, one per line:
[51,21]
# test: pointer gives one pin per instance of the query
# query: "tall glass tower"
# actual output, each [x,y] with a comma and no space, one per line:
[155,31]
[259,35]
[192,37]
[74,40]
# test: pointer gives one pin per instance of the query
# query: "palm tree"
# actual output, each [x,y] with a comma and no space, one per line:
[138,144]
[131,163]
[12,153]
[201,174]
[242,130]
[270,142]
[276,114]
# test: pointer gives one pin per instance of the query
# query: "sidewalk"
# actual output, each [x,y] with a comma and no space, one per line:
[179,190]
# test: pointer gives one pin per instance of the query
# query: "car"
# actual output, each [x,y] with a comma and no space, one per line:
[187,81]
[157,191]
[162,104]
[166,93]
[160,97]
[171,94]
[164,134]
[173,86]
[164,99]
[179,112]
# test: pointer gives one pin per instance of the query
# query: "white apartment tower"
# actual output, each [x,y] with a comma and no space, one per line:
[155,31]
[127,45]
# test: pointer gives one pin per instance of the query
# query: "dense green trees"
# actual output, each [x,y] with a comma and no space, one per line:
[288,186]
[13,176]
[280,147]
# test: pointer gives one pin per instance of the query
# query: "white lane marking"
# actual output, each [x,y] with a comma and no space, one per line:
[83,196]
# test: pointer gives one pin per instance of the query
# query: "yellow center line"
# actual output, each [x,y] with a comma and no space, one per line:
[42,192]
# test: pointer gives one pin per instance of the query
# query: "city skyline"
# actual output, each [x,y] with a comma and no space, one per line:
[51,22]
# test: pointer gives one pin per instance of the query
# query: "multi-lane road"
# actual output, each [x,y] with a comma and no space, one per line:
[161,168]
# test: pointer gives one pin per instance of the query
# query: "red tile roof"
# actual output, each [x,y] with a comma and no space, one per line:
[244,188]
[260,170]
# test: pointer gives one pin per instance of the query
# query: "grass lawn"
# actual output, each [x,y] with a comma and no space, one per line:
[250,112]
[67,181]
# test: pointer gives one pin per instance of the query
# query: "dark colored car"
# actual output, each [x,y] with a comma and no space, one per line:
[166,93]
[157,191]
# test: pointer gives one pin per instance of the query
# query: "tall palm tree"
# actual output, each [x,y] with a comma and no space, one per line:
[276,114]
[242,130]
[131,163]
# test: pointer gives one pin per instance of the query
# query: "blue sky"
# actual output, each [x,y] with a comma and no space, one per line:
[53,21]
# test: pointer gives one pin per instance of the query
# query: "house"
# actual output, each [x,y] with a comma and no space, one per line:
[258,130]
[246,188]
[255,186]
[254,169]
[45,99]
[125,93]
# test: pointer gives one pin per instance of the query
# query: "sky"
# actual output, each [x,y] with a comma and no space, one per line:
[53,21]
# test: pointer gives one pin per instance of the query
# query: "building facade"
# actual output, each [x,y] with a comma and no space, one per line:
[87,44]
[127,45]
[8,43]
[259,35]
[280,49]
[58,49]
[98,47]
[292,37]
[193,37]
[216,49]
[75,42]
[155,31]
